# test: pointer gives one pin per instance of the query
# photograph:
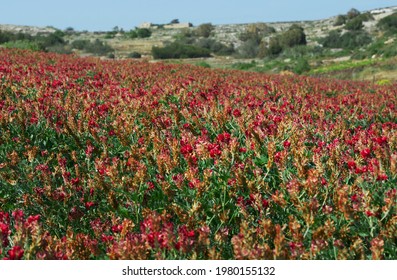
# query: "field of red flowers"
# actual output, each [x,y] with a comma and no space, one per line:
[133,160]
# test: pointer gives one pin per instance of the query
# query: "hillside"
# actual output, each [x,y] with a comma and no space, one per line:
[358,62]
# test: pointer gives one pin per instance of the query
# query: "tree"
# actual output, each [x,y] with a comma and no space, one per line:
[340,20]
[295,35]
[272,48]
[354,24]
[204,30]
[249,49]
[352,13]
[143,32]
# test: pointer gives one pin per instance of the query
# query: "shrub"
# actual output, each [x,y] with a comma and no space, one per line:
[52,39]
[273,48]
[389,23]
[203,64]
[134,55]
[98,48]
[244,65]
[349,40]
[352,13]
[24,45]
[354,24]
[59,48]
[139,33]
[179,50]
[249,49]
[80,44]
[302,66]
[143,33]
[340,20]
[204,30]
[294,36]
[215,46]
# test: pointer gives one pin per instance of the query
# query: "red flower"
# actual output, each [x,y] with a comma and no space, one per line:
[223,137]
[17,214]
[33,218]
[369,213]
[382,177]
[365,153]
[117,228]
[186,149]
[75,181]
[15,253]
[236,113]
[287,144]
[351,164]
[89,204]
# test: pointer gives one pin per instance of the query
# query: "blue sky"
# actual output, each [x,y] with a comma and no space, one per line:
[104,15]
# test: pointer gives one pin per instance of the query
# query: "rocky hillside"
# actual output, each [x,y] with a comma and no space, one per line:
[360,62]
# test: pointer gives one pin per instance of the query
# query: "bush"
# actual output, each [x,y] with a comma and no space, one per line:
[349,40]
[294,36]
[352,13]
[340,20]
[24,45]
[143,33]
[179,50]
[302,66]
[354,24]
[6,36]
[249,49]
[59,48]
[134,55]
[389,23]
[139,33]
[203,64]
[80,44]
[99,48]
[244,65]
[204,30]
[215,46]
[52,39]
[273,48]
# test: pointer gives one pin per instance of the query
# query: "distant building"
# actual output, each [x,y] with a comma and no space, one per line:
[146,25]
[178,25]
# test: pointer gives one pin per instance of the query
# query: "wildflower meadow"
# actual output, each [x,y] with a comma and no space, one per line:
[135,160]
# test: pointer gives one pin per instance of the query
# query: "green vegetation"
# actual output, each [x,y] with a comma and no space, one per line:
[139,33]
[204,30]
[349,40]
[134,55]
[96,47]
[354,24]
[343,66]
[179,50]
[389,23]
[23,44]
[294,36]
